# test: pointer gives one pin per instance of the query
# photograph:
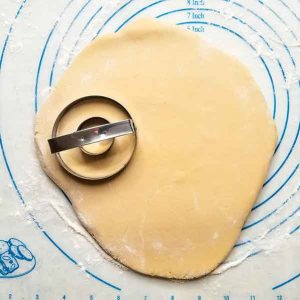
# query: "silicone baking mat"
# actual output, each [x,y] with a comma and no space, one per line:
[44,251]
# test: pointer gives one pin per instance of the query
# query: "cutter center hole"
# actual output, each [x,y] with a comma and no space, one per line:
[98,147]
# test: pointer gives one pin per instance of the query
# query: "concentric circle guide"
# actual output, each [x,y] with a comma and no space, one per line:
[264,30]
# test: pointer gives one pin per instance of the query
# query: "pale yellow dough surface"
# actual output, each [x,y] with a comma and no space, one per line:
[205,141]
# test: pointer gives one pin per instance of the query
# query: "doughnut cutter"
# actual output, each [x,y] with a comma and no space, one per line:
[90,135]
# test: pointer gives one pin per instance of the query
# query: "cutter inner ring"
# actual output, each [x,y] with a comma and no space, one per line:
[99,147]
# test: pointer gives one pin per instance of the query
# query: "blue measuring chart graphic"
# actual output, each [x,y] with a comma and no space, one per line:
[16,259]
[263,34]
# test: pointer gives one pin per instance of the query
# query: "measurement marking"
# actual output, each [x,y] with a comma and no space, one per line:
[196,28]
[195,2]
[43,54]
[196,16]
[286,282]
[62,40]
[81,33]
[295,229]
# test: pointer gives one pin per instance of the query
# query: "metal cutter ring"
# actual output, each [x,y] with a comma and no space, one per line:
[95,134]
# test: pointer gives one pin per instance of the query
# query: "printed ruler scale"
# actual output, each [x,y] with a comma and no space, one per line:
[38,41]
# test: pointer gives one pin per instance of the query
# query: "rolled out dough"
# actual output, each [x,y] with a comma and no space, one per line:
[205,141]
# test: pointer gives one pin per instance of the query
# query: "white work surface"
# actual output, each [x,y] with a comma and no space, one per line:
[37,39]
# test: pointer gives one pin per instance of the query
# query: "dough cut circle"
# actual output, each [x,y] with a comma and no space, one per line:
[205,143]
[98,160]
[95,148]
